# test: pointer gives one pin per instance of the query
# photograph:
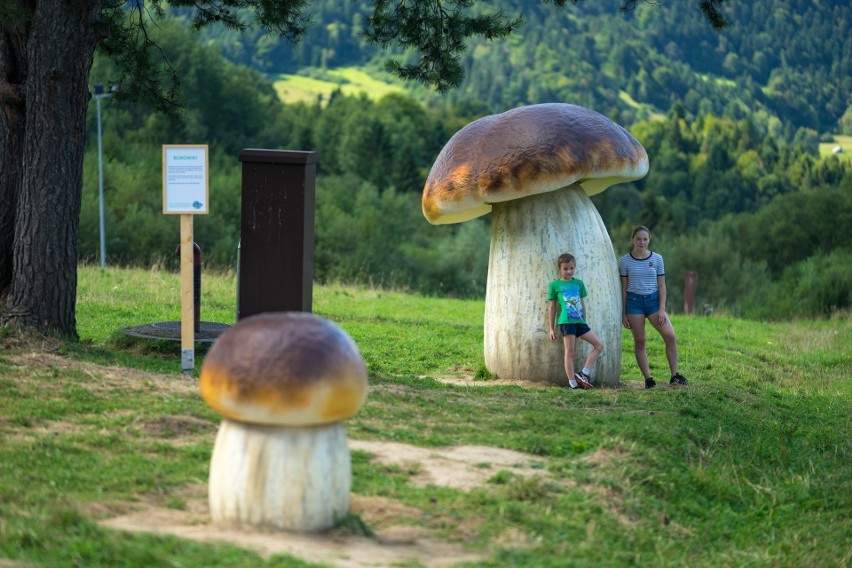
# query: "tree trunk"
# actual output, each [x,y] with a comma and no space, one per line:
[60,47]
[527,237]
[13,74]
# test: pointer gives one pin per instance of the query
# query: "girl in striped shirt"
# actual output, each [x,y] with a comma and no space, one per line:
[643,295]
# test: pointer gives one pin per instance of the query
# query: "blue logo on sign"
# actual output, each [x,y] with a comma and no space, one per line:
[197,204]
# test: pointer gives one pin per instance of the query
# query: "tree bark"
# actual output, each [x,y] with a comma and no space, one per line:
[13,73]
[527,237]
[60,46]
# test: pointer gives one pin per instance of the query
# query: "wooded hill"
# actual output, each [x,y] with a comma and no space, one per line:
[760,215]
[784,65]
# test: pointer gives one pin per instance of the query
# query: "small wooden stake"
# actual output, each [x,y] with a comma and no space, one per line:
[187,327]
[689,293]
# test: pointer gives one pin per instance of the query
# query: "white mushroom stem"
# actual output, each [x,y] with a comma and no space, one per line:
[293,478]
[527,236]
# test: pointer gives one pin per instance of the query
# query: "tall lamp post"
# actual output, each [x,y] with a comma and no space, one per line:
[100,94]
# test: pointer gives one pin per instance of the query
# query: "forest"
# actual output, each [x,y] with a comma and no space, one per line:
[783,64]
[737,191]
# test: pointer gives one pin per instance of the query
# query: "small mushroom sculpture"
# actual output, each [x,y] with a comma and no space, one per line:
[284,383]
[534,168]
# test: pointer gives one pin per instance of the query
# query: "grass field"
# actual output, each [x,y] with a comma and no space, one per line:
[625,96]
[748,466]
[351,81]
[826,148]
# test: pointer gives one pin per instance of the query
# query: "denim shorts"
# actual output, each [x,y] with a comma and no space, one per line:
[578,329]
[639,304]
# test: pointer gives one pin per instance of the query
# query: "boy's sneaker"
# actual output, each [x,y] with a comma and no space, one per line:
[650,383]
[583,381]
[678,379]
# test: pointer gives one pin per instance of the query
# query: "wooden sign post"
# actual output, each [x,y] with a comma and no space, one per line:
[185,191]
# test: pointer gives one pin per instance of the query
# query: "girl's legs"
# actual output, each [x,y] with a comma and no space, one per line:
[569,341]
[668,333]
[597,348]
[637,327]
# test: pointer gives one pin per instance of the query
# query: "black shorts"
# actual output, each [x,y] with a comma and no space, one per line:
[577,329]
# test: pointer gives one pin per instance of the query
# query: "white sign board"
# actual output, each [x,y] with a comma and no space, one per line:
[185,185]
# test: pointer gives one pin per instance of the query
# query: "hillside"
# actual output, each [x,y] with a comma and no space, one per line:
[785,64]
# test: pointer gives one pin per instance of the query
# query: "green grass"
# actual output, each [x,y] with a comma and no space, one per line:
[352,81]
[630,101]
[749,466]
[718,80]
[826,148]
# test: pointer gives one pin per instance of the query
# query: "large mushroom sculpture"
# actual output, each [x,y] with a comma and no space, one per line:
[284,382]
[534,168]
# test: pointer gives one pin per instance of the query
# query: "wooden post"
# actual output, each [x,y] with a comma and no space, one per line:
[689,293]
[187,294]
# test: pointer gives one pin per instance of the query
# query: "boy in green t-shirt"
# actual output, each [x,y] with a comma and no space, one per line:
[570,294]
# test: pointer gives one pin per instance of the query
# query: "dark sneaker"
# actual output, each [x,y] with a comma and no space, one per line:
[583,381]
[650,383]
[678,379]
[575,387]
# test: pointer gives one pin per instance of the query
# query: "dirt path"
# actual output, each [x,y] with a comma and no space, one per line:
[398,538]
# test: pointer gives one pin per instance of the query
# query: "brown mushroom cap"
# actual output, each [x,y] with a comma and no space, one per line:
[284,368]
[526,151]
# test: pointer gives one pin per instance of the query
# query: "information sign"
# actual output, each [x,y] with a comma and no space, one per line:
[185,183]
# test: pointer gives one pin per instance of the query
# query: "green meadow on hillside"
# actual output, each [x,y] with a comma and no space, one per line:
[826,149]
[748,466]
[351,81]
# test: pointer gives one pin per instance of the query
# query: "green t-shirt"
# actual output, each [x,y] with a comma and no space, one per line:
[569,294]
